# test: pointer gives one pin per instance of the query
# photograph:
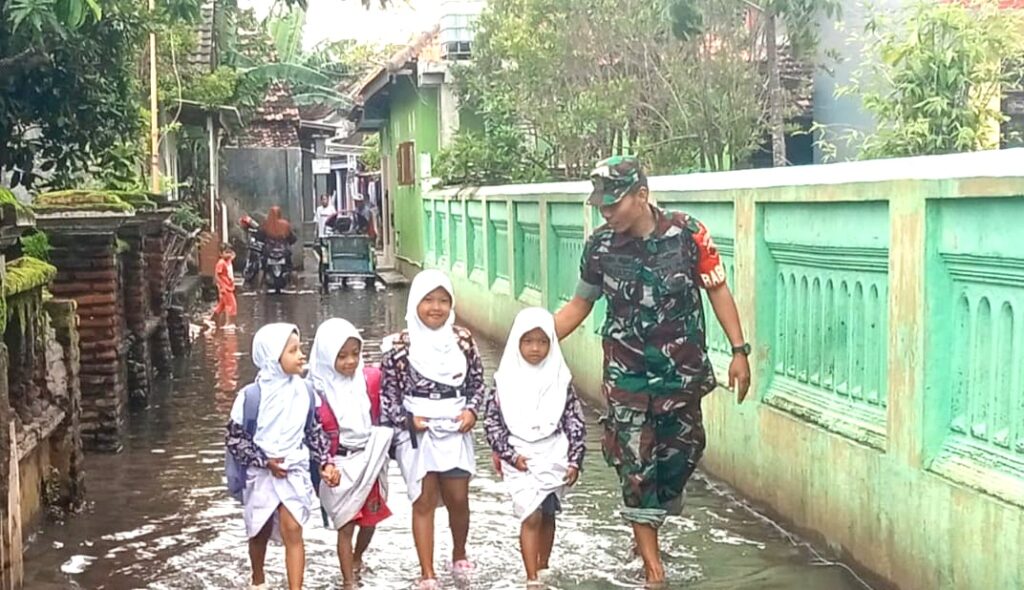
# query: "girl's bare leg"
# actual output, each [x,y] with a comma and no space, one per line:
[258,552]
[362,544]
[294,548]
[423,524]
[348,574]
[547,540]
[529,543]
[455,493]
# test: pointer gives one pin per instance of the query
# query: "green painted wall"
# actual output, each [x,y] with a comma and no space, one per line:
[414,116]
[887,318]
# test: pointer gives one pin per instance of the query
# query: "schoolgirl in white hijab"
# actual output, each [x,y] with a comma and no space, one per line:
[278,495]
[535,426]
[432,381]
[361,449]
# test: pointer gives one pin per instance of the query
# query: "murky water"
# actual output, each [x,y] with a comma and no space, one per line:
[159,518]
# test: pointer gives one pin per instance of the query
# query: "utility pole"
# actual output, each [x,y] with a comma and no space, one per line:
[154,115]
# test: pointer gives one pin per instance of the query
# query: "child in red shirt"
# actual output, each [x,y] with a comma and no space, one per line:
[225,276]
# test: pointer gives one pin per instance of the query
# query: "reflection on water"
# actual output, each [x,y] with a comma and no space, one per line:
[159,518]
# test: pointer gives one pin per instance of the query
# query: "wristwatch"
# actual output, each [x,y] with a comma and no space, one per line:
[743,349]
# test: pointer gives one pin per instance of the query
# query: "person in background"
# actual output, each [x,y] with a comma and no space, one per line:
[226,302]
[276,227]
[280,237]
[324,213]
[366,217]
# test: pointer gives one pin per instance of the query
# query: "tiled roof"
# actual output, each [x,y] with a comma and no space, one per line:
[203,56]
[424,46]
[275,123]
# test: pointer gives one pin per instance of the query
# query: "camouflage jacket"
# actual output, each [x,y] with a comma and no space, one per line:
[654,332]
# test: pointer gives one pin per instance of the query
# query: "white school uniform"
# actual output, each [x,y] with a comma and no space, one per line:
[435,355]
[366,461]
[280,433]
[532,401]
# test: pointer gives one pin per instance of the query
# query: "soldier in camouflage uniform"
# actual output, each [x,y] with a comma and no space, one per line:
[652,265]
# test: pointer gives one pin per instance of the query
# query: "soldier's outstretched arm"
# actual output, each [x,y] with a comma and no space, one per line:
[725,309]
[572,315]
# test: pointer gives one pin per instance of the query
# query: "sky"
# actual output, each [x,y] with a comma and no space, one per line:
[347,19]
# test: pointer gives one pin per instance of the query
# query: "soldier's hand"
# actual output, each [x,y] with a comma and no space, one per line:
[571,476]
[739,376]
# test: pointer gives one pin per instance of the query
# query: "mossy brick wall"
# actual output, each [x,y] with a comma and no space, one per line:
[63,362]
[88,272]
[137,313]
[25,339]
[153,247]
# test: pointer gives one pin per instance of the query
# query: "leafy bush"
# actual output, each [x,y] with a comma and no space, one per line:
[933,75]
[36,245]
[187,218]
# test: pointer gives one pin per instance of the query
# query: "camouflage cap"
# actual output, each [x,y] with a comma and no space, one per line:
[614,178]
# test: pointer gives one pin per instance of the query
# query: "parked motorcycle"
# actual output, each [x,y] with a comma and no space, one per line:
[255,245]
[277,266]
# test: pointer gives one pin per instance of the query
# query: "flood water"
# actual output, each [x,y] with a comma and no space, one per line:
[158,516]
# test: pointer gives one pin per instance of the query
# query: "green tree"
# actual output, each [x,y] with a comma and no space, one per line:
[496,151]
[676,82]
[772,24]
[370,158]
[703,107]
[316,76]
[569,68]
[69,89]
[932,77]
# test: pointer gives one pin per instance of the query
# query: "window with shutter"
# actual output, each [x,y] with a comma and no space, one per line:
[406,164]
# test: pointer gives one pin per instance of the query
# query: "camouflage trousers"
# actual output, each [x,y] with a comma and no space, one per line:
[654,455]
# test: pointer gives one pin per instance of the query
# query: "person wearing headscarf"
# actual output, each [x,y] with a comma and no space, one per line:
[534,424]
[350,411]
[278,496]
[276,227]
[280,238]
[432,380]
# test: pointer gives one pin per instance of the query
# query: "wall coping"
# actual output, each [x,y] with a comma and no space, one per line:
[988,164]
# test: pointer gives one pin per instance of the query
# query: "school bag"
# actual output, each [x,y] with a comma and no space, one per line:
[234,471]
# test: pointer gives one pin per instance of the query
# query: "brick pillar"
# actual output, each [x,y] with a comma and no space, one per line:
[88,272]
[62,363]
[178,326]
[136,313]
[156,275]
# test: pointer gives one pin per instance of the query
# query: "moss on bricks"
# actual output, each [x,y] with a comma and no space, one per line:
[81,200]
[27,273]
[138,200]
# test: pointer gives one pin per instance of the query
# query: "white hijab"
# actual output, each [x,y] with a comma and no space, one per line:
[284,399]
[532,397]
[346,396]
[435,354]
